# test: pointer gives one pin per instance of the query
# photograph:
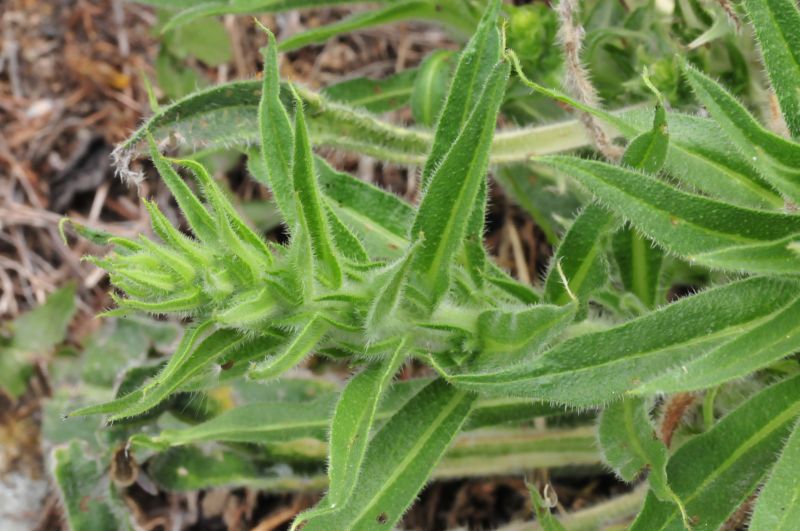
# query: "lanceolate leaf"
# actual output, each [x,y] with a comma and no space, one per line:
[210,8]
[777,25]
[393,12]
[648,151]
[301,344]
[440,222]
[581,256]
[374,95]
[199,219]
[630,444]
[430,87]
[625,356]
[216,345]
[226,117]
[639,261]
[307,190]
[716,471]
[776,158]
[400,458]
[475,65]
[265,422]
[778,506]
[389,292]
[701,230]
[351,425]
[697,153]
[224,208]
[277,140]
[778,336]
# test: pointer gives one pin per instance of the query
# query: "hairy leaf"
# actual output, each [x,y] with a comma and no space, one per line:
[400,458]
[776,158]
[475,66]
[430,87]
[776,337]
[440,222]
[625,356]
[630,444]
[277,140]
[777,25]
[716,471]
[301,344]
[351,425]
[308,195]
[392,12]
[581,257]
[702,230]
[216,345]
[374,95]
[508,338]
[778,506]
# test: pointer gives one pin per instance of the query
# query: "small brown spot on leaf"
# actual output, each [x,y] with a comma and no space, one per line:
[227,365]
[383,518]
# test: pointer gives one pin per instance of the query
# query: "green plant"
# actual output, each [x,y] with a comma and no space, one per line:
[369,280]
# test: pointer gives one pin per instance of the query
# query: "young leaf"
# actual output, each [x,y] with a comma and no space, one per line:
[351,425]
[701,230]
[777,25]
[200,221]
[440,222]
[390,292]
[430,87]
[630,444]
[648,151]
[777,159]
[277,140]
[778,506]
[713,484]
[625,356]
[508,338]
[581,257]
[308,195]
[347,243]
[301,344]
[223,206]
[399,459]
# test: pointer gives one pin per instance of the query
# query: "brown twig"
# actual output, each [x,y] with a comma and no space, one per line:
[576,77]
[673,413]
